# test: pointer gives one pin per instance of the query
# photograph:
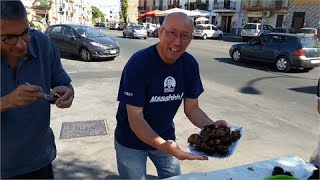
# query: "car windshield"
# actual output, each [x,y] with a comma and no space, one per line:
[310,42]
[138,27]
[279,30]
[250,26]
[306,31]
[199,27]
[88,32]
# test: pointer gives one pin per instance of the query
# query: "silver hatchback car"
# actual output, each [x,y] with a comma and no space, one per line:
[135,31]
[252,30]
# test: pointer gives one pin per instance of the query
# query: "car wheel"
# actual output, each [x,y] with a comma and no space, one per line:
[145,38]
[220,36]
[84,54]
[124,35]
[236,55]
[283,64]
[204,36]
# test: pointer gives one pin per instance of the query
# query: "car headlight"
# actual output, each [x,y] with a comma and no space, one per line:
[97,44]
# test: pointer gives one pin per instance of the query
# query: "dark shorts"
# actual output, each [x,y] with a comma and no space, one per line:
[43,173]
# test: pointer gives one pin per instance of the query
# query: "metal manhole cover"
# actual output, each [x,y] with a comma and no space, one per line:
[82,129]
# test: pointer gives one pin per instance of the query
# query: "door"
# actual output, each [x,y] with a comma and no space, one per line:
[55,35]
[70,40]
[254,49]
[270,45]
[279,21]
[298,20]
[226,24]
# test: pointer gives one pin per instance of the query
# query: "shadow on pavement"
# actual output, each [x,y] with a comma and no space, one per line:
[74,168]
[263,66]
[77,169]
[307,89]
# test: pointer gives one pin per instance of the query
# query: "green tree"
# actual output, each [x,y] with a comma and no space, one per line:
[97,14]
[124,10]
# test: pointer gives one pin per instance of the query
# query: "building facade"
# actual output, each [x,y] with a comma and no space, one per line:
[50,12]
[302,13]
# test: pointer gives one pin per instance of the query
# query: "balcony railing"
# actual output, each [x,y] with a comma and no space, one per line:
[276,4]
[223,5]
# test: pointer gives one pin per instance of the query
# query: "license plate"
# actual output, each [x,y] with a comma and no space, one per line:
[113,51]
[315,61]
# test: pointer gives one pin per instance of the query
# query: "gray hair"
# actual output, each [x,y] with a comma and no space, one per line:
[12,10]
[181,14]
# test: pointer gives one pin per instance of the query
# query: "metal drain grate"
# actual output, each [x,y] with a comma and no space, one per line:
[82,129]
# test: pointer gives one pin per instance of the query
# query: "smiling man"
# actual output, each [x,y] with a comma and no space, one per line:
[30,71]
[148,104]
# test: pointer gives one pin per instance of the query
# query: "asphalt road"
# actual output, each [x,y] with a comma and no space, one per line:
[290,96]
[277,110]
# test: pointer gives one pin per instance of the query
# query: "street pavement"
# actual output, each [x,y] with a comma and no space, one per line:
[92,156]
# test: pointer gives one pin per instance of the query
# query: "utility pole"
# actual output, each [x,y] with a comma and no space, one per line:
[188,4]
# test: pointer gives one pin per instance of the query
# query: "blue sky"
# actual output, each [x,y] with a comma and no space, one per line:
[105,2]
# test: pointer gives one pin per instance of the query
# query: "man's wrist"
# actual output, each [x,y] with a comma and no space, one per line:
[5,104]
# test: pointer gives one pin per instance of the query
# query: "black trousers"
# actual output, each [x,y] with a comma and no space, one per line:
[43,173]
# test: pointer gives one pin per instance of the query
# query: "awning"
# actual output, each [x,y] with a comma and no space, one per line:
[201,19]
[149,14]
[200,12]
[164,13]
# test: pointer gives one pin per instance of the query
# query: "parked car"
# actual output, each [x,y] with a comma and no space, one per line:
[284,50]
[135,31]
[308,31]
[114,25]
[252,30]
[150,28]
[283,30]
[205,31]
[155,32]
[99,24]
[85,41]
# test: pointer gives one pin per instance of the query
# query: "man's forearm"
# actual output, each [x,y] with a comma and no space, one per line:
[199,118]
[144,132]
[5,105]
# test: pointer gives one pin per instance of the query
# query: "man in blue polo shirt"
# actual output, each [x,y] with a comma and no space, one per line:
[30,71]
[154,83]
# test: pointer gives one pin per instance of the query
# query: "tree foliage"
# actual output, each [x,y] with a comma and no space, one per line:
[97,14]
[124,10]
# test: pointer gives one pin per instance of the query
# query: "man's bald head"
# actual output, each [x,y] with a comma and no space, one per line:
[181,15]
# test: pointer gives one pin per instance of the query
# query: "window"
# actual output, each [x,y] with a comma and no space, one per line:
[68,31]
[56,30]
[276,41]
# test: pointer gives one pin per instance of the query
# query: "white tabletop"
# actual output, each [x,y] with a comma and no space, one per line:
[255,171]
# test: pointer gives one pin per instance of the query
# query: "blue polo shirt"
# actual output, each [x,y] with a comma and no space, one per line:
[27,141]
[148,82]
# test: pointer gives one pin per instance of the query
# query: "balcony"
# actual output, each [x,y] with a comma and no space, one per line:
[141,8]
[264,5]
[224,5]
[42,4]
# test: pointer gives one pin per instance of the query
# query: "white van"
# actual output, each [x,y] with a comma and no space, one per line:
[205,31]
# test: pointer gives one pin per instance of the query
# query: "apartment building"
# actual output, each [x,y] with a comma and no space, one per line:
[59,11]
[266,12]
[133,11]
[302,13]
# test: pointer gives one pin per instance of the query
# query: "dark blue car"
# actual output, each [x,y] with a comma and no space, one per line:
[285,51]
